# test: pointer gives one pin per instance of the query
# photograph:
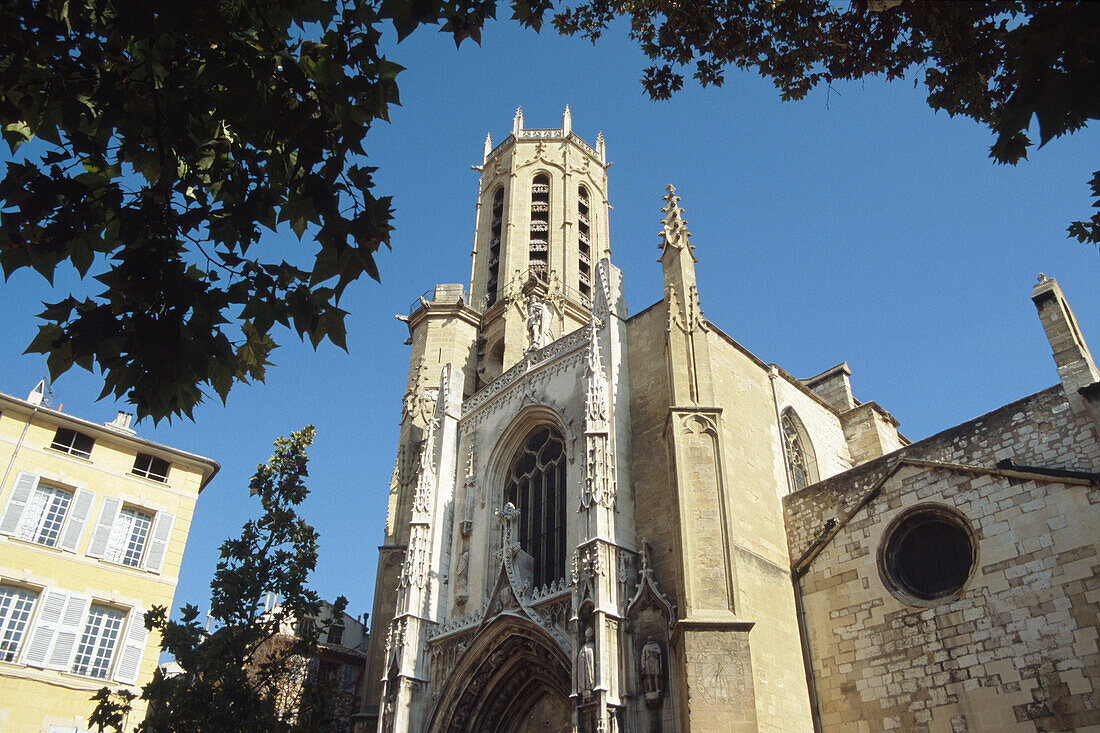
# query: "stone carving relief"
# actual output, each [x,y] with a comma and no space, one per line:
[418,402]
[586,664]
[538,324]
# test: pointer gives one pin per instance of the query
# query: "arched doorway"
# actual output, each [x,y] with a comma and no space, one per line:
[514,678]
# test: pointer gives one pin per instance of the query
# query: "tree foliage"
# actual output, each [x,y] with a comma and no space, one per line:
[1002,64]
[240,676]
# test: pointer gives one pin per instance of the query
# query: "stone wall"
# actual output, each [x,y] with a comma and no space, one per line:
[1016,647]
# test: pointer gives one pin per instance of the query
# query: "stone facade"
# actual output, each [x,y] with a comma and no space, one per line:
[605,522]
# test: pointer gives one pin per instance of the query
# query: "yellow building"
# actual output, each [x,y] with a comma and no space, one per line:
[92,530]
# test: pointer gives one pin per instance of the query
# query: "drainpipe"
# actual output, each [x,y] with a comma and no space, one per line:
[799,608]
[18,445]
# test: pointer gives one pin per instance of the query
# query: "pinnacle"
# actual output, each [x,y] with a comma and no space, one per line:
[675,232]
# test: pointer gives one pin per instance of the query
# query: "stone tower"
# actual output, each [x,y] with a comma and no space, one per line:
[541,228]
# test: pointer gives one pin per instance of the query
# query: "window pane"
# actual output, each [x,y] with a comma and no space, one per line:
[151,467]
[44,515]
[72,442]
[97,644]
[15,610]
[128,537]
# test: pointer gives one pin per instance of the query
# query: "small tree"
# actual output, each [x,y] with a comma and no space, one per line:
[239,676]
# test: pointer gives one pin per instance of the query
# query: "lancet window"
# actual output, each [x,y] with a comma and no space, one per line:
[536,486]
[584,243]
[495,233]
[539,252]
[800,453]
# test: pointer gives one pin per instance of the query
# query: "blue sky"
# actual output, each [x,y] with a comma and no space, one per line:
[856,225]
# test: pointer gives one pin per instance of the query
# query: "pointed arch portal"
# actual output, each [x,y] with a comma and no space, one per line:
[513,678]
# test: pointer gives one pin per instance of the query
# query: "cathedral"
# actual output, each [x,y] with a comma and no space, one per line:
[611,521]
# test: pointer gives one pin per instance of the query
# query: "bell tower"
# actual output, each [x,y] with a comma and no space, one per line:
[541,228]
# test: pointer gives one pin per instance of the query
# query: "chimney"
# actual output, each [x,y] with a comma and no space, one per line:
[121,423]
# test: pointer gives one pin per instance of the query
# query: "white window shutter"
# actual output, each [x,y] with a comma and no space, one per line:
[17,502]
[158,542]
[69,630]
[78,517]
[133,648]
[45,628]
[107,516]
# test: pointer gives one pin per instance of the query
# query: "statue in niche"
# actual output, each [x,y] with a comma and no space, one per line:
[538,323]
[461,570]
[587,663]
[652,668]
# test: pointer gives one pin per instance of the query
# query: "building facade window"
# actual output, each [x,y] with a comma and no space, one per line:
[131,536]
[129,533]
[15,611]
[98,641]
[44,515]
[151,467]
[336,635]
[73,443]
[536,486]
[800,454]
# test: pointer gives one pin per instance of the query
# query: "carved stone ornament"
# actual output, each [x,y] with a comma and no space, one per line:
[648,594]
[513,592]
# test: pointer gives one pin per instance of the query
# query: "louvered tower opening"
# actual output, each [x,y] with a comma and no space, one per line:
[539,250]
[495,231]
[584,246]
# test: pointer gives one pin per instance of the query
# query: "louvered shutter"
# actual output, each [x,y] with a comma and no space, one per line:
[17,502]
[107,516]
[68,633]
[78,517]
[133,648]
[45,628]
[158,542]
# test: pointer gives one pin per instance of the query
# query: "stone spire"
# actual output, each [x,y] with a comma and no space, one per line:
[517,122]
[601,147]
[488,148]
[566,121]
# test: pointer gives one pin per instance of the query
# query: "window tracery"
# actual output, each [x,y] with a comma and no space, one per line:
[800,457]
[536,486]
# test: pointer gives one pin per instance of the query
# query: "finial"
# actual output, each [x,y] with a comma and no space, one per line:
[675,232]
[517,122]
[1042,277]
[601,147]
[566,121]
[488,148]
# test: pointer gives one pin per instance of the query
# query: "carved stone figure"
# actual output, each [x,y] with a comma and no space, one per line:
[538,323]
[652,667]
[461,570]
[587,663]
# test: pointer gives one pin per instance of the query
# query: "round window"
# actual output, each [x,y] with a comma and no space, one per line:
[927,554]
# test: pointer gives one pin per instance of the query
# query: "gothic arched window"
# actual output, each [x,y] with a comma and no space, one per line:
[536,486]
[801,461]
